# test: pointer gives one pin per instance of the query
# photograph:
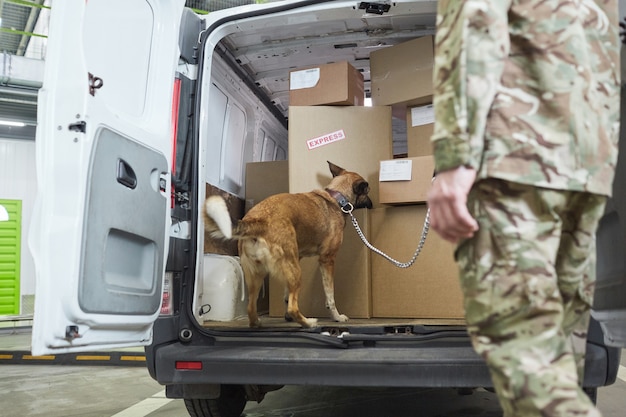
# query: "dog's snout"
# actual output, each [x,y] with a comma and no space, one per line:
[363,201]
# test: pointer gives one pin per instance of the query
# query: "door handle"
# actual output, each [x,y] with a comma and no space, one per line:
[126,175]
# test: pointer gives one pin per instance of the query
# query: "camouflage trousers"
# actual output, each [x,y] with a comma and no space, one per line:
[528,278]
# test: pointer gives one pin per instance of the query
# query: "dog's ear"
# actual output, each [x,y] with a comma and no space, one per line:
[361,187]
[334,169]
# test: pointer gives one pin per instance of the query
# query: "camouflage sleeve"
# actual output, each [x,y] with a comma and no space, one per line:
[471,44]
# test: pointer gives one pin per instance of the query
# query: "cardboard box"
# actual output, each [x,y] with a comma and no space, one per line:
[419,129]
[430,288]
[331,84]
[236,208]
[401,75]
[352,280]
[264,179]
[417,174]
[355,138]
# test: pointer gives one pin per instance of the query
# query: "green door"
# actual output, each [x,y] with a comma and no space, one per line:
[10,239]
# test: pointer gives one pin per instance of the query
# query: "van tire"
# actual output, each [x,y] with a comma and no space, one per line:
[231,402]
[592,393]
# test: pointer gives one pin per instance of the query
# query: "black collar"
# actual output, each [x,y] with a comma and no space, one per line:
[341,199]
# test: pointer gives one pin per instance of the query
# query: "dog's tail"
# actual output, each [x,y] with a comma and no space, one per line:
[217,219]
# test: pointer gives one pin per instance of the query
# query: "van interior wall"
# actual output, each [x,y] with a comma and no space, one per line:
[239,129]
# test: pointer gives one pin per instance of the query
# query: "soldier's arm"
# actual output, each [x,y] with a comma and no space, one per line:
[472,43]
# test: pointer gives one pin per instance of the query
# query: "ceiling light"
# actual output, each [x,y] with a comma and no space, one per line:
[11,123]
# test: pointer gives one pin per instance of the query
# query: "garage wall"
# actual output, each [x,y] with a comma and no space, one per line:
[18,182]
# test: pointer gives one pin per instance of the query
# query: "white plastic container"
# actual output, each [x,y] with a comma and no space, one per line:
[224,296]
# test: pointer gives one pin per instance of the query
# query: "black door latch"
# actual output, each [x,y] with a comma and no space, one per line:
[375,8]
[78,127]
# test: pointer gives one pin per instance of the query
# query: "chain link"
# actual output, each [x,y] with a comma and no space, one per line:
[399,264]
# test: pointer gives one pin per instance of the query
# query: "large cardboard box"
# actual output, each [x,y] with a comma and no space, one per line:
[430,288]
[330,84]
[406,180]
[264,179]
[419,129]
[402,74]
[352,280]
[355,138]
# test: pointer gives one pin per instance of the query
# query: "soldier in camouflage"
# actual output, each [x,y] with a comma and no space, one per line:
[525,142]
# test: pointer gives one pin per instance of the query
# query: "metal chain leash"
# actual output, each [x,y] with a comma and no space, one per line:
[348,210]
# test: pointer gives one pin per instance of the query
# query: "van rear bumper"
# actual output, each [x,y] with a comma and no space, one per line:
[248,358]
[364,366]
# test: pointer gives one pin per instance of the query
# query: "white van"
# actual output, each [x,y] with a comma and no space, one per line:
[146,108]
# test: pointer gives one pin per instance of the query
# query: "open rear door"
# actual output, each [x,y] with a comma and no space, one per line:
[104,142]
[609,307]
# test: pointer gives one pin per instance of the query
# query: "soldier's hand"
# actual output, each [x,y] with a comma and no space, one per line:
[447,200]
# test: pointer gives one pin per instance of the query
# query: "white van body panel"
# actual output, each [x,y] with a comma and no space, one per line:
[104,144]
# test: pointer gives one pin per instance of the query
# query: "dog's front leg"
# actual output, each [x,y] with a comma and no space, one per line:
[327,268]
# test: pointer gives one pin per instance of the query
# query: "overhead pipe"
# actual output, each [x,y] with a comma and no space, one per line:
[18,71]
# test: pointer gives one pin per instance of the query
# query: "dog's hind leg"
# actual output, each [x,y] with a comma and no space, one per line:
[254,282]
[254,272]
[286,301]
[291,273]
[327,268]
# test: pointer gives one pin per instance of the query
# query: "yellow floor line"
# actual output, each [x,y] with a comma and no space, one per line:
[39,358]
[133,358]
[93,357]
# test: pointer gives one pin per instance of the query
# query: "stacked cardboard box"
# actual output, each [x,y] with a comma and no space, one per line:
[405,180]
[264,179]
[354,138]
[419,128]
[401,75]
[430,288]
[331,84]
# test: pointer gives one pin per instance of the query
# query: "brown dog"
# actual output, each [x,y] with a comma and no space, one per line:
[283,228]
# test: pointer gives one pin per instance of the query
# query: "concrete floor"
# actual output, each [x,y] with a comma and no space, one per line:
[128,391]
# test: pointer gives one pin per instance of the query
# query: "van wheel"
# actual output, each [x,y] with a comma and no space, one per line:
[231,403]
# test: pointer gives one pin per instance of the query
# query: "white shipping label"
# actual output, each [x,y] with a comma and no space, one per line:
[395,170]
[422,115]
[304,79]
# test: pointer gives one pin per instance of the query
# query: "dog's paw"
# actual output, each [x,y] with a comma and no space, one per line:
[341,318]
[309,323]
[255,324]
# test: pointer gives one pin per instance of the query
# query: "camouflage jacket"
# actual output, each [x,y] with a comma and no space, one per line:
[528,91]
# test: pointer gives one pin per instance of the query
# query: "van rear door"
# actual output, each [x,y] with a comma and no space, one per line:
[100,225]
[609,307]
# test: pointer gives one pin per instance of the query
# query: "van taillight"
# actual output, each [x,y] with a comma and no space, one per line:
[189,365]
[166,304]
